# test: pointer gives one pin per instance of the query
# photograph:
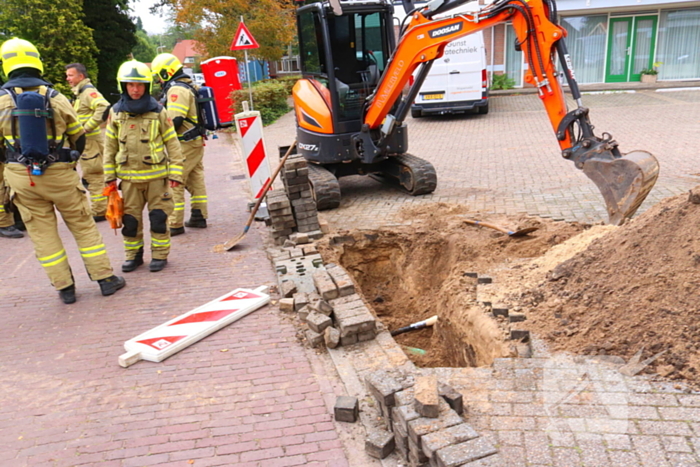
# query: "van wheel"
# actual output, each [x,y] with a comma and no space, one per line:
[416,113]
[483,110]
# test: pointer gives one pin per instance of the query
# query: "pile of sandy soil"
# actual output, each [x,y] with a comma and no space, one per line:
[636,287]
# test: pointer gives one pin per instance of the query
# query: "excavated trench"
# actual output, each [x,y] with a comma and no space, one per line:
[410,273]
[405,283]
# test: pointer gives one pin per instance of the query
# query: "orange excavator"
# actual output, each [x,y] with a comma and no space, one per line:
[351,109]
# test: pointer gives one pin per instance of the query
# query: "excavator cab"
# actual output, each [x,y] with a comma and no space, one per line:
[344,51]
[342,58]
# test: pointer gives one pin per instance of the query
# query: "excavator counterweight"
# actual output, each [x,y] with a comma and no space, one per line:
[351,105]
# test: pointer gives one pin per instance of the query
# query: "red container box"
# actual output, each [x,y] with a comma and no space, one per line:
[221,74]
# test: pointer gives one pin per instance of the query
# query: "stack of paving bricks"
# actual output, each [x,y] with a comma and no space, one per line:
[281,215]
[351,317]
[424,425]
[296,181]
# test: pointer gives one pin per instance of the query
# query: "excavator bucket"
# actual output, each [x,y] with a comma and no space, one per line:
[623,181]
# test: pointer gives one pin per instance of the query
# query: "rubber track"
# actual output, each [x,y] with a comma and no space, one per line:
[423,173]
[326,188]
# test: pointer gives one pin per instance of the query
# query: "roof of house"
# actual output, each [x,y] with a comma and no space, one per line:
[185,48]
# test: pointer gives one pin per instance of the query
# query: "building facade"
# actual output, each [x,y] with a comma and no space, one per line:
[612,41]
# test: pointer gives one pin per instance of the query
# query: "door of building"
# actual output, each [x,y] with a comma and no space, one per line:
[631,47]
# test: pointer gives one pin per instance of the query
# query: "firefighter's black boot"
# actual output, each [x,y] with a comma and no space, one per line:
[157,265]
[111,284]
[131,264]
[67,294]
[174,231]
[197,220]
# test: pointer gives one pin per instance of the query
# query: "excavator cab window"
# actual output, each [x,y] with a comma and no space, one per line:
[359,49]
[347,54]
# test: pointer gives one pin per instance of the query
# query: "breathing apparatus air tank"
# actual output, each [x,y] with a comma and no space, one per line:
[31,114]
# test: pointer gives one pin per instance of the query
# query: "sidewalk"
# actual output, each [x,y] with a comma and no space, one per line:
[249,395]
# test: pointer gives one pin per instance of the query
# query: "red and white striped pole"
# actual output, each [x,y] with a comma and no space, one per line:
[249,126]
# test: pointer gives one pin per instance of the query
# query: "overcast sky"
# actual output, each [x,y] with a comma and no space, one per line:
[153,24]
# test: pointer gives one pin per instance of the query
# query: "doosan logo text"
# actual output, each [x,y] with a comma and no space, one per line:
[445,30]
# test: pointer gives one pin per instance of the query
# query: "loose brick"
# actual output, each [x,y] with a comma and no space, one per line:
[299,238]
[318,322]
[379,443]
[347,409]
[422,426]
[313,338]
[453,398]
[286,304]
[383,387]
[332,337]
[325,285]
[426,396]
[445,437]
[342,281]
[301,299]
[304,312]
[287,290]
[462,453]
[401,415]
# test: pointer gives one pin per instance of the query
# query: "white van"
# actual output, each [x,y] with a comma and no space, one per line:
[457,81]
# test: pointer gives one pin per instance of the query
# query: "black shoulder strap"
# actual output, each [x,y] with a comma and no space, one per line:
[87,86]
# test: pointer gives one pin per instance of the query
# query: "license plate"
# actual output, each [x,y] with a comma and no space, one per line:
[433,97]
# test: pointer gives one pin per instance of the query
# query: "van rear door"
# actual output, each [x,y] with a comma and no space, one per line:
[464,61]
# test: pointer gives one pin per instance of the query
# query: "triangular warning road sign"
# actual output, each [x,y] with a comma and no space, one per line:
[243,39]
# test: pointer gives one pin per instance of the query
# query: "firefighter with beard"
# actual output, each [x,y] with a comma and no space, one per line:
[35,121]
[138,133]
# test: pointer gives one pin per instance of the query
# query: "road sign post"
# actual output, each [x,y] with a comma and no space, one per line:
[243,40]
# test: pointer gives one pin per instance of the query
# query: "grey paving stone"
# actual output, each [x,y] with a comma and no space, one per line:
[462,453]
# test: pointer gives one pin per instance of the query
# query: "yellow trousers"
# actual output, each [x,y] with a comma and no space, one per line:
[58,188]
[193,177]
[91,166]
[157,196]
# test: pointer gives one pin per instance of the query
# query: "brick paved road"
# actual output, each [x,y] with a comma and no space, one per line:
[65,401]
[508,161]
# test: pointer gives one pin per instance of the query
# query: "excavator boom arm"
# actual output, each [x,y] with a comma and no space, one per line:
[425,40]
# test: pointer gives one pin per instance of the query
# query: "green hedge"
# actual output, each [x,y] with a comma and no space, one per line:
[269,97]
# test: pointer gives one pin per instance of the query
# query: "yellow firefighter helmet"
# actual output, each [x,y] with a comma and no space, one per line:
[165,66]
[18,53]
[134,71]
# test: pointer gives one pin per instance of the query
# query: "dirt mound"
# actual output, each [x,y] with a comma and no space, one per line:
[636,287]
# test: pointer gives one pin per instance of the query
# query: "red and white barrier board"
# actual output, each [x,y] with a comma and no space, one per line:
[163,341]
[250,128]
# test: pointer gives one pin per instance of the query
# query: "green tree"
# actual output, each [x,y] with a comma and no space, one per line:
[56,29]
[271,22]
[145,48]
[115,36]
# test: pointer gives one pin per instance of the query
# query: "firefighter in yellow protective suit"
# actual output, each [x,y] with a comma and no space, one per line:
[35,120]
[138,133]
[91,107]
[180,101]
